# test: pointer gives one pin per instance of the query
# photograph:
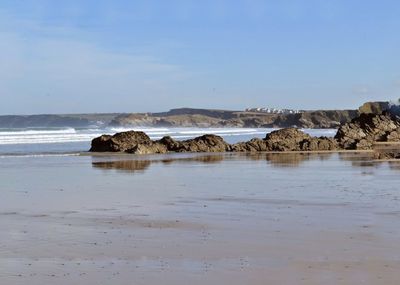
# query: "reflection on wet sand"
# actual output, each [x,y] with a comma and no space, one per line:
[359,159]
[124,165]
[367,160]
[294,159]
[139,166]
[212,158]
[275,159]
[395,165]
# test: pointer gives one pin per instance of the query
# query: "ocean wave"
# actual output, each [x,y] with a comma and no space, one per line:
[38,155]
[217,131]
[37,132]
[140,129]
[48,138]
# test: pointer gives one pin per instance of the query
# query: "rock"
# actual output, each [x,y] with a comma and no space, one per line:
[206,143]
[394,110]
[289,139]
[140,143]
[171,144]
[148,148]
[373,108]
[394,136]
[252,145]
[363,131]
[292,139]
[120,142]
[319,144]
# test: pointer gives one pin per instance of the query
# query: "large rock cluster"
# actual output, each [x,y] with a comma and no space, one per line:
[289,139]
[363,131]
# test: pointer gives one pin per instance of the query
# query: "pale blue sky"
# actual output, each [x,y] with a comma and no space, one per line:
[127,56]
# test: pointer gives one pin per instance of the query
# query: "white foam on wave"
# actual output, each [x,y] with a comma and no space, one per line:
[217,131]
[140,129]
[37,132]
[38,155]
[40,139]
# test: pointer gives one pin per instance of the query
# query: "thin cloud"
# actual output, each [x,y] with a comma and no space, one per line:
[362,90]
[57,65]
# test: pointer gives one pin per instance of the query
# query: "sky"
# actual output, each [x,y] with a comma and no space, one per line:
[81,56]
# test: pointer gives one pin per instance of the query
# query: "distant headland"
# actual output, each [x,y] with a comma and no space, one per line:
[191,117]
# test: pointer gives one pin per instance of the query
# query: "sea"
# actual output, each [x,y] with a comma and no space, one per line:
[74,141]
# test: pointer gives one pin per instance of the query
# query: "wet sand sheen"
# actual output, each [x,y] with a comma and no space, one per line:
[238,219]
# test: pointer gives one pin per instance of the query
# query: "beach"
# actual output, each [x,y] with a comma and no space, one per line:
[199,142]
[288,218]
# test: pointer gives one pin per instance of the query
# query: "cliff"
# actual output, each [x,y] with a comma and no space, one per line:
[187,117]
[190,117]
[32,121]
[52,121]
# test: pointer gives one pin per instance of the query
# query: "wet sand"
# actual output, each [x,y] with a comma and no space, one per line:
[329,218]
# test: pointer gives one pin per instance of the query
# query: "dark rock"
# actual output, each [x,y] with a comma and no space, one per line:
[148,148]
[292,139]
[120,142]
[394,110]
[363,131]
[206,143]
[319,144]
[171,144]
[373,108]
[252,145]
[289,139]
[394,136]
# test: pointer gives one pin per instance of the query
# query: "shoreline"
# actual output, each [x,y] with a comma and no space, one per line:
[110,153]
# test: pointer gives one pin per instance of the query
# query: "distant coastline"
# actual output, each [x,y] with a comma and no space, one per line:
[185,117]
[191,117]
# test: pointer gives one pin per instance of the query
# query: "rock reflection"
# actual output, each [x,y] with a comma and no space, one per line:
[205,159]
[296,159]
[287,159]
[368,161]
[124,165]
[139,166]
[358,159]
[395,165]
